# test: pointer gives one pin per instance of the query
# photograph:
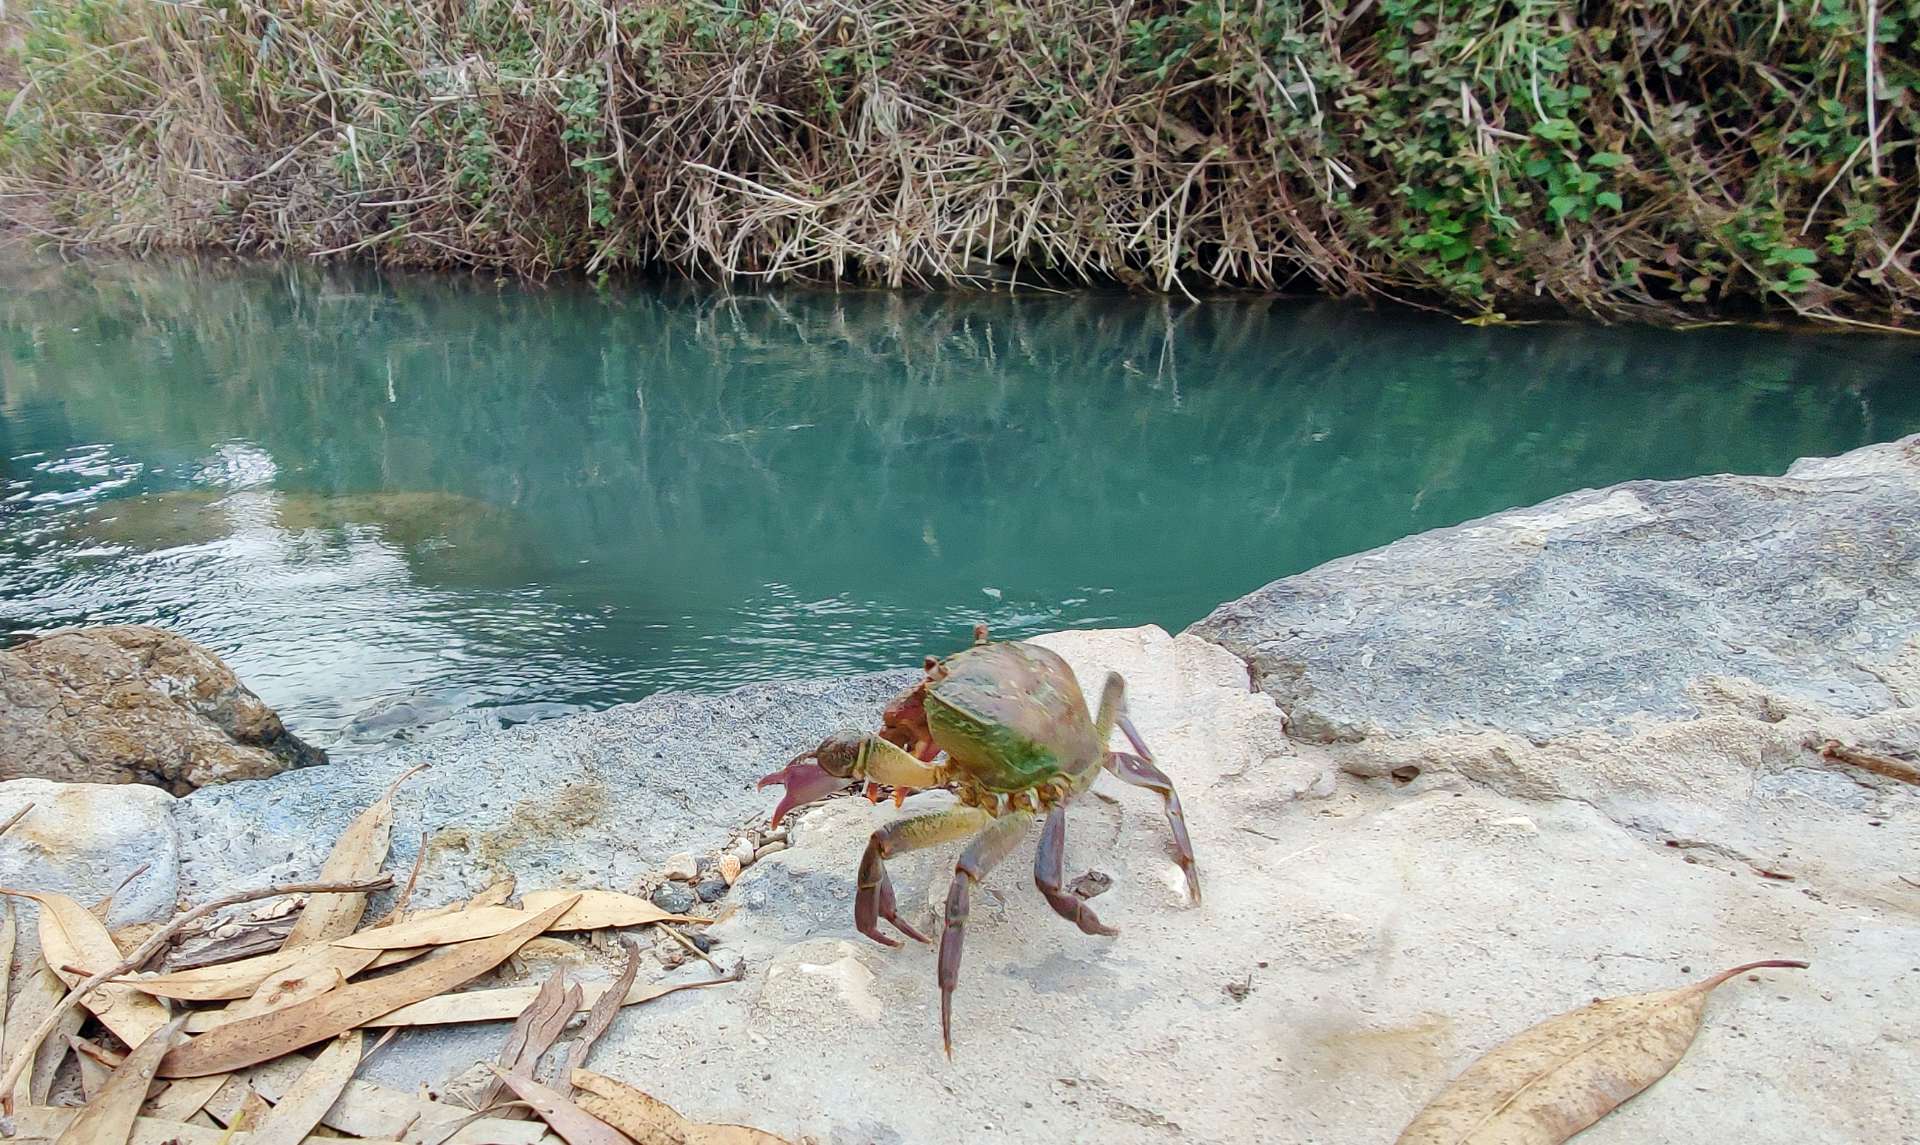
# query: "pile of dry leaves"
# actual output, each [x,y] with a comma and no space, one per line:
[197,1031]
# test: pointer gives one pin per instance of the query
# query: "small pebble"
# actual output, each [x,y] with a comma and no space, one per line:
[1091,885]
[743,852]
[682,867]
[769,849]
[673,897]
[701,942]
[779,836]
[729,868]
[711,890]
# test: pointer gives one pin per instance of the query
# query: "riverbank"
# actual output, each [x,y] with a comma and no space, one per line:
[1438,791]
[1646,162]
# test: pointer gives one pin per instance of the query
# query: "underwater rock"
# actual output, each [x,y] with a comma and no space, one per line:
[420,521]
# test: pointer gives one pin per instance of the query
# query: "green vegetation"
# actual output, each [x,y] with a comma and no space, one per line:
[1648,158]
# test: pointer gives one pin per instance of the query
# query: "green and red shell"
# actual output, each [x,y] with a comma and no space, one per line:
[1011,716]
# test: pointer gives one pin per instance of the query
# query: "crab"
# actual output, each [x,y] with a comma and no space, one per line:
[1018,745]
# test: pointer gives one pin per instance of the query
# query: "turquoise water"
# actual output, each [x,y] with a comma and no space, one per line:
[401,506]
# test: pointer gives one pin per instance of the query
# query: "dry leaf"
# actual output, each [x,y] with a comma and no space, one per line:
[94,1072]
[218,983]
[253,1109]
[235,1089]
[385,958]
[39,1122]
[269,1035]
[438,930]
[595,910]
[71,936]
[499,1005]
[649,1121]
[566,1118]
[369,1110]
[323,968]
[604,1008]
[357,855]
[598,910]
[99,1053]
[319,1087]
[108,1119]
[534,1031]
[492,1131]
[132,937]
[242,978]
[496,894]
[1555,1079]
[40,991]
[184,1098]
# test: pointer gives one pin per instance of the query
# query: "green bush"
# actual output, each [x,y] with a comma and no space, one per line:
[1655,159]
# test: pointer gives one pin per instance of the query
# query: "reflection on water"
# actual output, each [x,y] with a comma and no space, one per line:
[400,502]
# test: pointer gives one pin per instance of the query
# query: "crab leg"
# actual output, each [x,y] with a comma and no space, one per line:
[1140,771]
[1049,868]
[884,762]
[981,856]
[874,899]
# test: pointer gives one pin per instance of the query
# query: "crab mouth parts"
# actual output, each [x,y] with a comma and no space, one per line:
[805,782]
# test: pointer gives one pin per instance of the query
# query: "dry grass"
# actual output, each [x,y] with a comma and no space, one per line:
[1657,158]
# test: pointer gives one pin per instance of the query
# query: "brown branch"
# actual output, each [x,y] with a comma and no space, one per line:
[146,950]
[15,818]
[1870,761]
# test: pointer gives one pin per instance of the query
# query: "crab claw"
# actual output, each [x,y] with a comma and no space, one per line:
[806,782]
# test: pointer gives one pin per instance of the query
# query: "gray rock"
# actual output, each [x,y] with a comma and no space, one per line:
[711,890]
[129,704]
[83,840]
[675,897]
[1599,608]
[589,801]
[1376,937]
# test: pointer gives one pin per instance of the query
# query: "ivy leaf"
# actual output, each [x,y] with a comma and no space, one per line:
[1609,199]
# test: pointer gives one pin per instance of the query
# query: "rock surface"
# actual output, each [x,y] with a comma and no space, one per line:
[130,704]
[1379,908]
[85,840]
[1600,607]
[1361,940]
[583,801]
